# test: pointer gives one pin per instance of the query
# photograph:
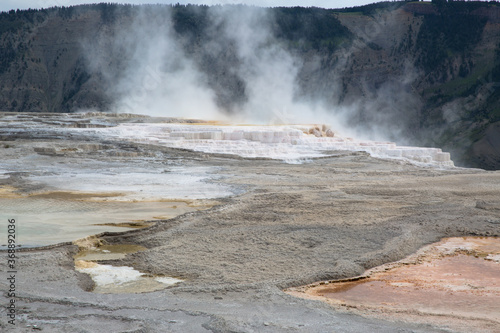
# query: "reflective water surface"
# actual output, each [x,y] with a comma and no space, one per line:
[46,220]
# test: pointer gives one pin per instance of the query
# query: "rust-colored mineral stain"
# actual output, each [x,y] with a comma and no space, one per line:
[455,277]
[454,285]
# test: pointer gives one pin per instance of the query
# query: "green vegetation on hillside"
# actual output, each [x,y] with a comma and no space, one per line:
[373,8]
[190,19]
[307,28]
[453,30]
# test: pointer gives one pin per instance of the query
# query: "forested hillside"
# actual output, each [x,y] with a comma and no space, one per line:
[424,73]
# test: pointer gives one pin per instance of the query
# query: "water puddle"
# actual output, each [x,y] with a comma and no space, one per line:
[442,283]
[58,217]
[119,280]
[111,279]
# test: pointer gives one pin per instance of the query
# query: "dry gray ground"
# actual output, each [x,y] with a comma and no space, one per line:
[291,225]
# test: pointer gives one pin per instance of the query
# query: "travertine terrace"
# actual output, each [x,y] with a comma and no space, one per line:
[317,212]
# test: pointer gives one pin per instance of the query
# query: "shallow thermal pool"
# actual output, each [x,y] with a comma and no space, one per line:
[122,279]
[115,279]
[46,221]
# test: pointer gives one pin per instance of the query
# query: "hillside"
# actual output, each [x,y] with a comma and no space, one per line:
[420,73]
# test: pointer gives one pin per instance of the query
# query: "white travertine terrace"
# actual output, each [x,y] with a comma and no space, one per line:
[291,143]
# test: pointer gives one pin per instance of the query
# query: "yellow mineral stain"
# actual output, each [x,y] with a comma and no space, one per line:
[79,264]
[80,196]
[107,252]
[133,224]
[9,192]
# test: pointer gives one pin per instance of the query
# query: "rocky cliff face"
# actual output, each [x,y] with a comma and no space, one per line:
[417,71]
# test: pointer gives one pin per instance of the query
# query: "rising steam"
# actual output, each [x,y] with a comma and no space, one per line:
[152,68]
[148,70]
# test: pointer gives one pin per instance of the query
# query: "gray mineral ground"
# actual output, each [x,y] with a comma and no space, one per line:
[286,225]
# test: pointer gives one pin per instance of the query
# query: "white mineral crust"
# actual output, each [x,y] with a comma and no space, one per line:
[290,143]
